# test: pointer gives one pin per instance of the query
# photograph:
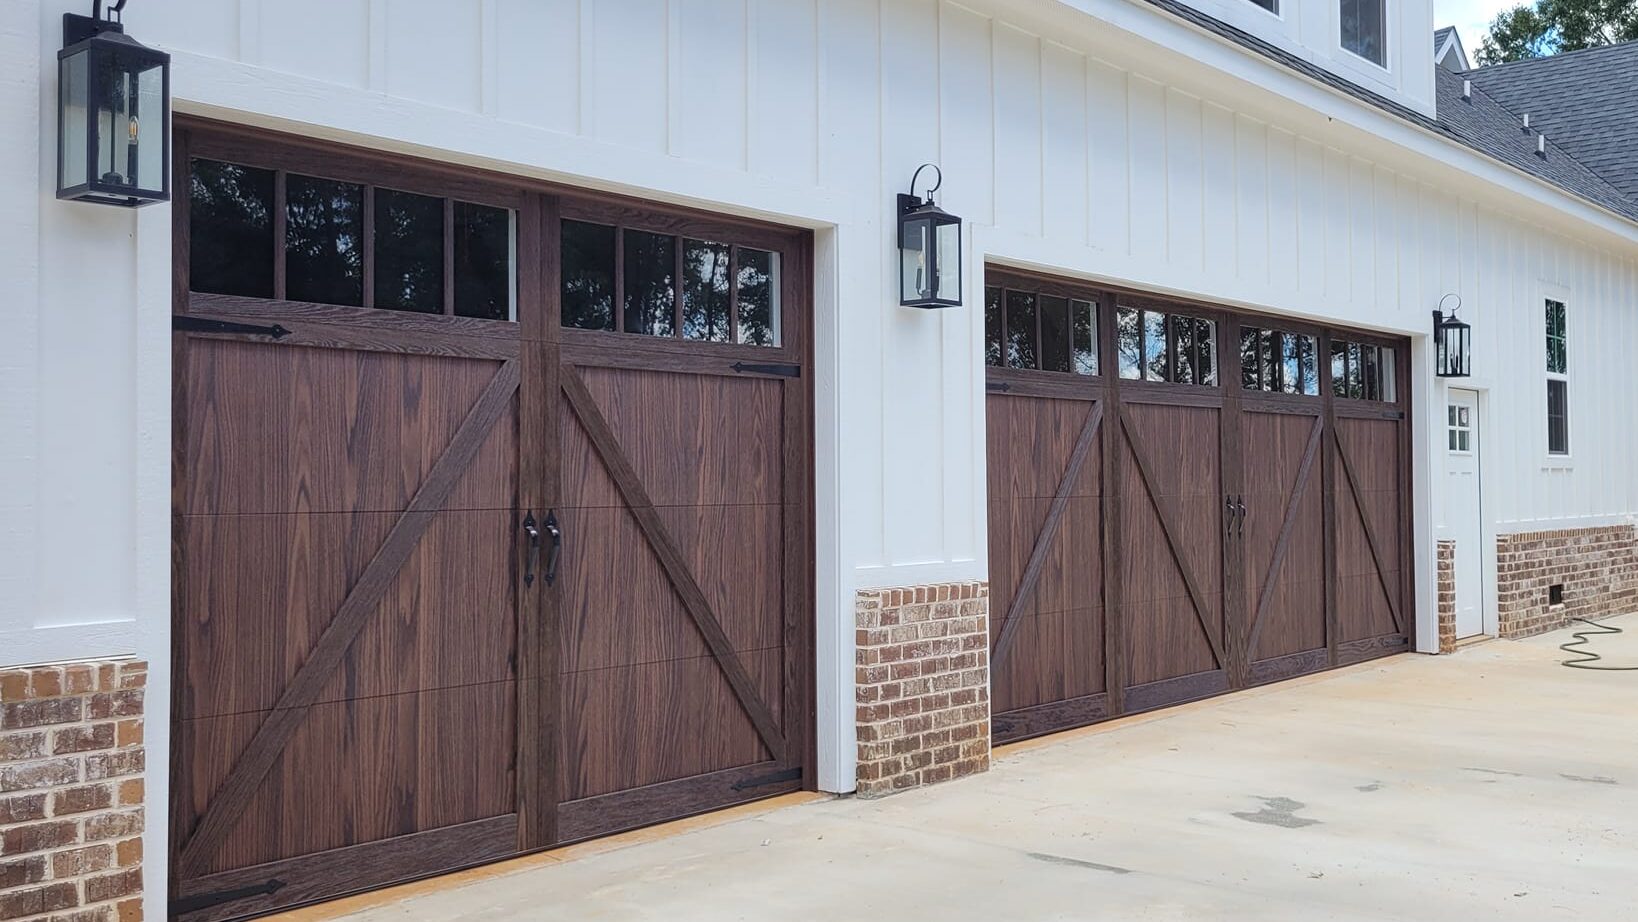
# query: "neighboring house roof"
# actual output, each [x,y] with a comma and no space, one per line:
[1483,125]
[1585,101]
[1448,51]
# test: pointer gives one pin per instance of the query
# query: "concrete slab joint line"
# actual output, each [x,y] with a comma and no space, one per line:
[1596,569]
[72,791]
[922,685]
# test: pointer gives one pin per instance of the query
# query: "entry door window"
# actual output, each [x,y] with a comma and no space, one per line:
[1459,429]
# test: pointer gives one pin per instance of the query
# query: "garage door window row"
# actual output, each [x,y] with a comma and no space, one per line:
[1041,332]
[668,286]
[1158,346]
[272,234]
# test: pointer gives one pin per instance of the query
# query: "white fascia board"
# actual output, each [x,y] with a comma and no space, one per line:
[1159,27]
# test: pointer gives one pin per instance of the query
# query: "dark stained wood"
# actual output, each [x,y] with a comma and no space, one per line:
[1287,529]
[473,716]
[1289,666]
[1259,605]
[636,498]
[327,875]
[596,816]
[235,792]
[1384,564]
[1025,590]
[1167,692]
[1171,528]
[1024,723]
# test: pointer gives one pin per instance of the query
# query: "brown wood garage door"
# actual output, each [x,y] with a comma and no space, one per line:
[1183,501]
[491,519]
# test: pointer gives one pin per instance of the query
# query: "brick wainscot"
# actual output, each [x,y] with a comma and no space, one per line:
[923,685]
[1595,568]
[71,792]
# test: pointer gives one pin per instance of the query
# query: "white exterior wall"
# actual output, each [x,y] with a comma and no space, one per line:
[1126,147]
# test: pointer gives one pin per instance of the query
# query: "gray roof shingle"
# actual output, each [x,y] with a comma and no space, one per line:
[1439,36]
[1483,124]
[1585,101]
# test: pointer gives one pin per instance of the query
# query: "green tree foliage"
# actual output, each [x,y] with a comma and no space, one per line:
[1548,27]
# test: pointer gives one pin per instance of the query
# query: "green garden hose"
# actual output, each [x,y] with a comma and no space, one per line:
[1587,657]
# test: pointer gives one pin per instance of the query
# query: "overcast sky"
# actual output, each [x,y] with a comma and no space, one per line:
[1470,17]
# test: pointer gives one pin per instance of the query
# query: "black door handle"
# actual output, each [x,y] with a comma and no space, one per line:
[531,559]
[1241,503]
[556,534]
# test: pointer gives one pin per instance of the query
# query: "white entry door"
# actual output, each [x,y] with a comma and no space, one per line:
[1463,508]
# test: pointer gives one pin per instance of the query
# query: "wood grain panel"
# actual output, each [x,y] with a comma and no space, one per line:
[1282,544]
[267,586]
[691,439]
[632,726]
[1030,441]
[330,430]
[358,771]
[1053,657]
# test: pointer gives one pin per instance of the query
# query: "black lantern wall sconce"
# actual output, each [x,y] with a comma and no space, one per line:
[929,248]
[1452,342]
[113,113]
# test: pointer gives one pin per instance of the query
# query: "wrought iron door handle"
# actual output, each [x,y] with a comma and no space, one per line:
[1241,504]
[532,559]
[1228,515]
[556,534]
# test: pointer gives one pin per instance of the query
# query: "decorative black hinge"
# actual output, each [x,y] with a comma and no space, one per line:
[185,324]
[789,774]
[997,386]
[783,371]
[200,901]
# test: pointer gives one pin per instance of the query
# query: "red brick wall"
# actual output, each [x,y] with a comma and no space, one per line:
[1446,576]
[923,685]
[1598,568]
[71,792]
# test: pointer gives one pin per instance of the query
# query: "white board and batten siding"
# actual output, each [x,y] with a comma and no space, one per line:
[1069,143]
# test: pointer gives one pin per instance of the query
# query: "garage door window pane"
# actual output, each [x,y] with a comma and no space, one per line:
[485,252]
[588,276]
[1154,346]
[323,250]
[230,238]
[1056,348]
[409,252]
[1021,346]
[1183,354]
[1083,317]
[758,295]
[705,291]
[651,265]
[1205,344]
[1129,342]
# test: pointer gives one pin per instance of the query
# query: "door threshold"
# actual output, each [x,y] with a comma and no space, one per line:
[1471,641]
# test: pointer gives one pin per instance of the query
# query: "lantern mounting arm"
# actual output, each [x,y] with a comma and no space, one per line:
[937,182]
[77,28]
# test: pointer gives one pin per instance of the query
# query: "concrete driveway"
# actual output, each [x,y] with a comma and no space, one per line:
[1492,784]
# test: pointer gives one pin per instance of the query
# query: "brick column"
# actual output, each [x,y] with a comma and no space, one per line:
[923,685]
[71,792]
[1446,567]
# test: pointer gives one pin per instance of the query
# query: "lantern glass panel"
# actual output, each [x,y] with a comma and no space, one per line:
[917,257]
[73,122]
[948,262]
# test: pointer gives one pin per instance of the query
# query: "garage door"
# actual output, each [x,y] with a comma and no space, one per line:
[491,519]
[1183,501]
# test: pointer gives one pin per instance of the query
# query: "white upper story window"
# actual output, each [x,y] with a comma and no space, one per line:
[1365,29]
[1273,6]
